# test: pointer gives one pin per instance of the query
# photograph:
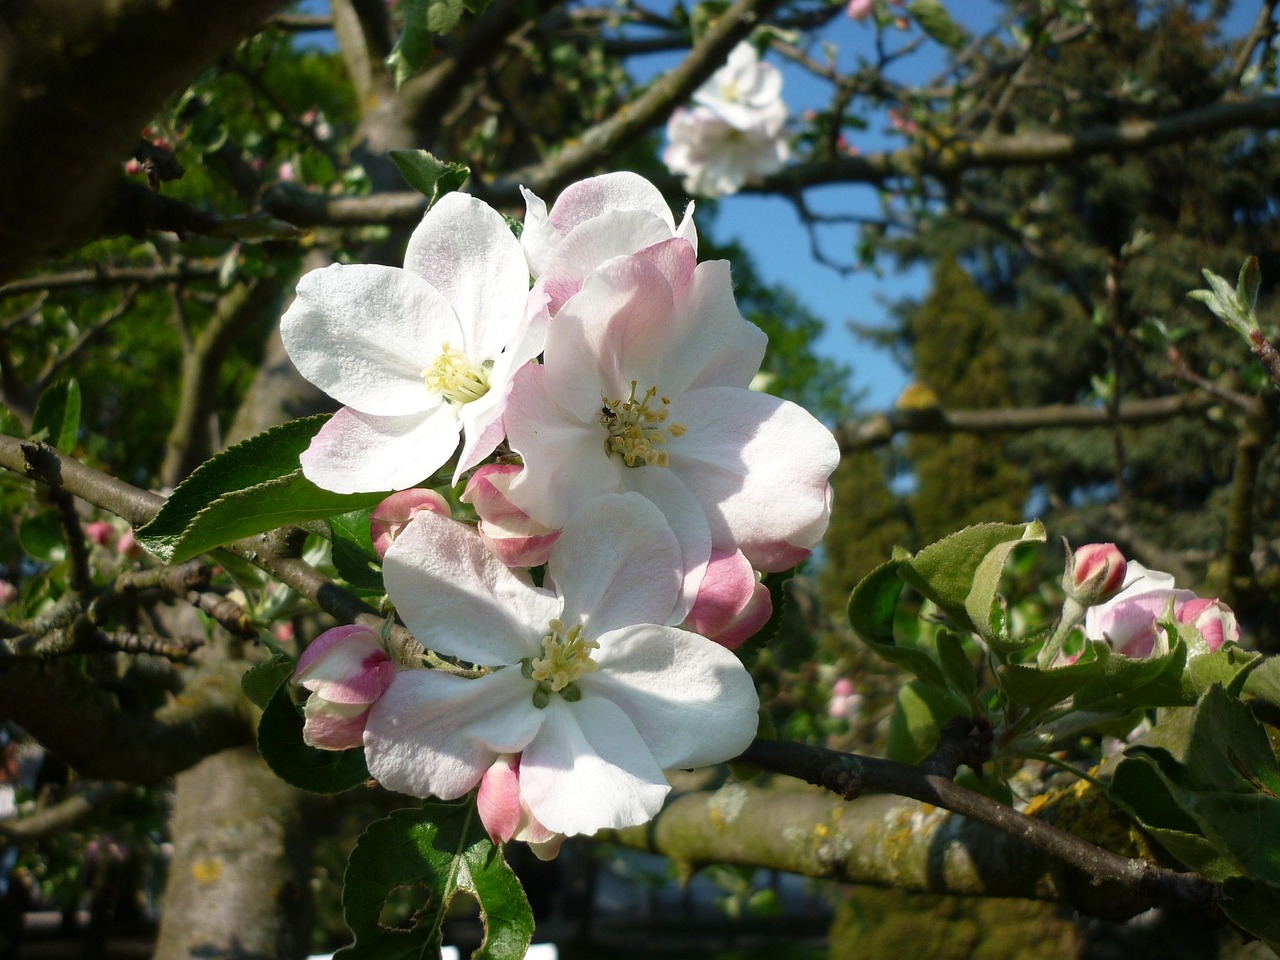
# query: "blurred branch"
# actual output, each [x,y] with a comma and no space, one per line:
[102,275]
[1264,28]
[880,428]
[64,814]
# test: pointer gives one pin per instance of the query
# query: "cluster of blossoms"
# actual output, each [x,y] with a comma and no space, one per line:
[635,464]
[1124,604]
[732,135]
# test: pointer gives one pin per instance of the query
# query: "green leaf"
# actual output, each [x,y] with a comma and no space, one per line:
[1264,681]
[961,572]
[41,537]
[57,417]
[918,719]
[430,177]
[422,18]
[262,680]
[1126,684]
[1255,906]
[1229,666]
[871,613]
[253,487]
[935,21]
[1037,688]
[354,557]
[293,761]
[1229,749]
[431,854]
[956,665]
[1248,283]
[749,650]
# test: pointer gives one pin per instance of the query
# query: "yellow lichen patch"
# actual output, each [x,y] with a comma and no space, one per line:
[207,870]
[726,805]
[1083,809]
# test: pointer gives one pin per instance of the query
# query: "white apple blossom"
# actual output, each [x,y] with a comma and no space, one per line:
[581,679]
[417,355]
[592,221]
[733,135]
[644,387]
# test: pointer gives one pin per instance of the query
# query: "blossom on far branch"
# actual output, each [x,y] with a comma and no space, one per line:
[644,388]
[581,680]
[592,221]
[1130,621]
[733,134]
[419,355]
[346,669]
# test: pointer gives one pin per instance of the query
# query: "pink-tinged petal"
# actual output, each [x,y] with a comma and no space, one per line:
[758,465]
[614,233]
[392,515]
[363,334]
[333,726]
[465,250]
[732,603]
[588,769]
[434,734]
[498,800]
[691,701]
[458,598]
[563,452]
[1213,618]
[717,347]
[505,529]
[359,453]
[616,563]
[347,665]
[587,199]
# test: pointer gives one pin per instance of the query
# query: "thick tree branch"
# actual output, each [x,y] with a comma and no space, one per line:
[880,428]
[78,80]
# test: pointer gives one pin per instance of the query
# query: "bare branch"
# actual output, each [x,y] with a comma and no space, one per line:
[64,814]
[102,275]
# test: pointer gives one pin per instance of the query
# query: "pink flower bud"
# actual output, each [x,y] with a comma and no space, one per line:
[843,687]
[346,669]
[507,530]
[100,532]
[1095,572]
[393,514]
[128,546]
[1213,618]
[8,593]
[860,9]
[732,604]
[506,816]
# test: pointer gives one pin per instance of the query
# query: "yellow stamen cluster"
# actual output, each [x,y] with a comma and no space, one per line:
[566,656]
[638,431]
[456,377]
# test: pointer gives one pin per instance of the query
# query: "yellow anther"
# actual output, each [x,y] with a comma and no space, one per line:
[566,656]
[457,377]
[638,428]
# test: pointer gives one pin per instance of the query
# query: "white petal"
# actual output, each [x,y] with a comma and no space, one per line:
[687,519]
[458,598]
[616,563]
[588,769]
[614,233]
[564,456]
[759,467]
[692,701]
[356,452]
[710,343]
[538,239]
[434,734]
[465,250]
[363,334]
[611,191]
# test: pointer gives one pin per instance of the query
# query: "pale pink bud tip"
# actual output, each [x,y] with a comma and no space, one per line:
[1213,618]
[393,514]
[8,593]
[1095,573]
[860,9]
[347,669]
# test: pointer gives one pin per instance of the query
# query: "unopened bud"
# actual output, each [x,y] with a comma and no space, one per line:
[1095,572]
[393,514]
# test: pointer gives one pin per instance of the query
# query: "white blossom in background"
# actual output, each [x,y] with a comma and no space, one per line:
[419,356]
[733,135]
[582,681]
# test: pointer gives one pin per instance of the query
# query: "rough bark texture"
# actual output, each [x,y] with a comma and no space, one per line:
[78,80]
[238,880]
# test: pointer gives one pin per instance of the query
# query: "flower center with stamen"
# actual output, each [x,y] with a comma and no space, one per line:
[457,377]
[566,656]
[638,428]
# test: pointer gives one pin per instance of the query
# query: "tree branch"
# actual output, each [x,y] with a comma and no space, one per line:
[62,815]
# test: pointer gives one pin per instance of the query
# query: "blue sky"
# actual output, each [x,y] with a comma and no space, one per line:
[769,229]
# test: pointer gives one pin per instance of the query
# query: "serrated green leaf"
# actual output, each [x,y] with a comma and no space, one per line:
[293,761]
[1037,688]
[1229,749]
[918,719]
[262,680]
[434,852]
[1229,666]
[354,557]
[936,22]
[961,572]
[871,614]
[749,651]
[1129,684]
[1255,906]
[431,177]
[1263,681]
[250,488]
[56,420]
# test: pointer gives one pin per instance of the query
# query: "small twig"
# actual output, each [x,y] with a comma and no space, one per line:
[1266,353]
[63,814]
[102,275]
